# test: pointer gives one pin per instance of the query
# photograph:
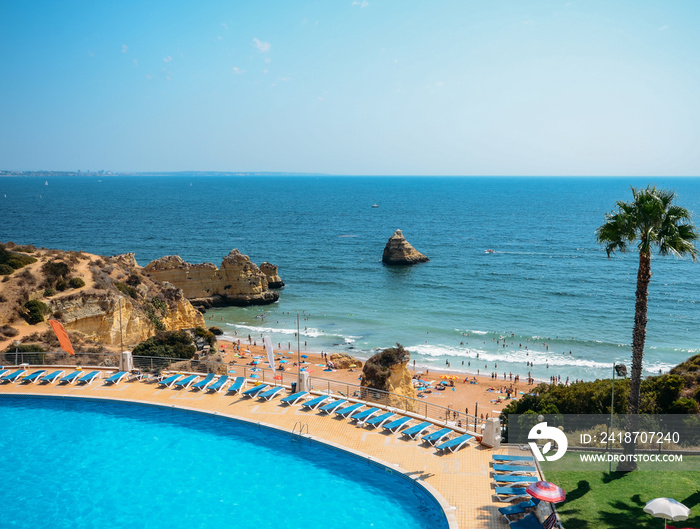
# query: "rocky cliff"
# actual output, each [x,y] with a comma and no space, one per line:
[398,251]
[388,371]
[95,297]
[237,282]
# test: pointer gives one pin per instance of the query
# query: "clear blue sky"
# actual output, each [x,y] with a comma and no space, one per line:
[460,87]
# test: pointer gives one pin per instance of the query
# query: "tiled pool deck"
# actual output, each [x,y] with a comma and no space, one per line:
[463,478]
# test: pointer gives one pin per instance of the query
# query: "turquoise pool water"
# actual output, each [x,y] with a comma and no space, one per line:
[82,463]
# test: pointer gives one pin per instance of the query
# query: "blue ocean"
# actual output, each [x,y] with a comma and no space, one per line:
[546,295]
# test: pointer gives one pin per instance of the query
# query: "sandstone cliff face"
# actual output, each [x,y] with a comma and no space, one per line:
[388,371]
[273,278]
[98,318]
[237,282]
[398,251]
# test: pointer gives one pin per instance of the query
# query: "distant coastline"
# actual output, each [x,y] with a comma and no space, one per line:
[153,173]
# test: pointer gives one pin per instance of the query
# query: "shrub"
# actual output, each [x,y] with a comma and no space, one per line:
[172,344]
[155,319]
[133,280]
[207,335]
[6,269]
[685,406]
[160,305]
[54,270]
[48,292]
[127,290]
[14,260]
[25,348]
[61,285]
[8,332]
[76,282]
[34,311]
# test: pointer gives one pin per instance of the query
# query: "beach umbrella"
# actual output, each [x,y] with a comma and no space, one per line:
[304,356]
[546,491]
[253,376]
[668,509]
[278,377]
[246,350]
[444,377]
[353,365]
[284,361]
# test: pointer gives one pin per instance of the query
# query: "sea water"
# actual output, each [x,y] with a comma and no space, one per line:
[546,295]
[78,463]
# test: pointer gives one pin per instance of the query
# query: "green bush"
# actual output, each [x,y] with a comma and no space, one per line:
[54,270]
[25,348]
[76,282]
[127,290]
[14,260]
[48,292]
[155,319]
[8,332]
[169,344]
[61,285]
[133,280]
[683,405]
[35,311]
[160,305]
[207,335]
[6,269]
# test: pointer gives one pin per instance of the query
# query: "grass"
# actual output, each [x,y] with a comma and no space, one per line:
[599,500]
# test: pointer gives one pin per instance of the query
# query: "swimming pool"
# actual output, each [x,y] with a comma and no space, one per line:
[97,463]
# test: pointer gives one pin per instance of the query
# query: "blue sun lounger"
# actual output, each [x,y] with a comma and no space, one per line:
[455,444]
[252,392]
[217,386]
[89,378]
[294,397]
[3,372]
[418,429]
[518,508]
[116,378]
[529,522]
[361,417]
[70,377]
[348,411]
[239,384]
[168,382]
[510,478]
[514,469]
[437,437]
[202,384]
[315,402]
[395,426]
[186,382]
[514,460]
[30,379]
[52,377]
[12,377]
[379,420]
[270,393]
[511,493]
[332,406]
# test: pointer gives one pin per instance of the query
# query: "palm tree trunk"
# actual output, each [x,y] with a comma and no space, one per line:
[638,338]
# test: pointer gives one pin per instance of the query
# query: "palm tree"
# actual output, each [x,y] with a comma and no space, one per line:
[655,221]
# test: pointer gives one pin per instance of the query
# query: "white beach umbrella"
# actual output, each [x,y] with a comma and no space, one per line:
[668,509]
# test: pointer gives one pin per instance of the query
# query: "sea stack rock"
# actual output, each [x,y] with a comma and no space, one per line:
[388,371]
[273,278]
[398,251]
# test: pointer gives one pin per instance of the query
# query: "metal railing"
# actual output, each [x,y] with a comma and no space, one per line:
[400,403]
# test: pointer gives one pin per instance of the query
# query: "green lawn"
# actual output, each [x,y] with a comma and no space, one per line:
[598,500]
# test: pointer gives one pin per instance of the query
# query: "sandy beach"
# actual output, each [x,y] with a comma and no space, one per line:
[481,397]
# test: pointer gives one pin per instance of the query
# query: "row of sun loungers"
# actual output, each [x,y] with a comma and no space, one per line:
[371,416]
